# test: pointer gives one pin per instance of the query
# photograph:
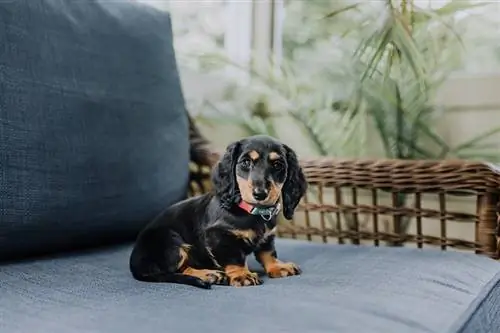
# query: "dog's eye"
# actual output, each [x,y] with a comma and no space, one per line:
[245,163]
[278,165]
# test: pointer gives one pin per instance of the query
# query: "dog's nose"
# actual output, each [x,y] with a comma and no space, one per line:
[259,194]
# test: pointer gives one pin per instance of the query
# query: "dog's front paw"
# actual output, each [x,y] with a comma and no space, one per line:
[240,276]
[280,269]
[207,275]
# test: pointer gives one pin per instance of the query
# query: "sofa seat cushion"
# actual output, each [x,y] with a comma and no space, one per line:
[343,288]
[94,136]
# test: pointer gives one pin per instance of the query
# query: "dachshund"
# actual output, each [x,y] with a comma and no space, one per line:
[205,240]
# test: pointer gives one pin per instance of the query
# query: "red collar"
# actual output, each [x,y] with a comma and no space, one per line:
[265,213]
[246,207]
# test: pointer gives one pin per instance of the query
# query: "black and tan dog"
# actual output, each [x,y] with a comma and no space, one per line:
[205,240]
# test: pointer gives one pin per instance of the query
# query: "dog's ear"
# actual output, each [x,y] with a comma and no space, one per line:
[295,184]
[224,178]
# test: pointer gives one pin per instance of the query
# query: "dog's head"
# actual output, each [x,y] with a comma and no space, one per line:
[259,170]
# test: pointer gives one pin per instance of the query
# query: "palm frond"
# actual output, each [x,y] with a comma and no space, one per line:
[476,140]
[341,10]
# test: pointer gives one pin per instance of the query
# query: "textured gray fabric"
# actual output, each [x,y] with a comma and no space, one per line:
[343,289]
[93,134]
[483,314]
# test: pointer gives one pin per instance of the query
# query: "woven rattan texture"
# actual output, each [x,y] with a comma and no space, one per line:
[384,202]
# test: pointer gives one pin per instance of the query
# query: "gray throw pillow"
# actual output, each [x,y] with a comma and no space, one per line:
[93,132]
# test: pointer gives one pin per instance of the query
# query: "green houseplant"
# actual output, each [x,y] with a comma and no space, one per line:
[377,85]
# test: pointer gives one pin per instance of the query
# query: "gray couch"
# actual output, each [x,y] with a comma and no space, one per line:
[94,143]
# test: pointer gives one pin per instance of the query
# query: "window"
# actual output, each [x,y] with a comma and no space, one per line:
[198,29]
[213,41]
[309,38]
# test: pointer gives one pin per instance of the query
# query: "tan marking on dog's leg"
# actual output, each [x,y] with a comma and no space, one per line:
[269,232]
[276,268]
[206,275]
[247,235]
[184,255]
[240,276]
[212,257]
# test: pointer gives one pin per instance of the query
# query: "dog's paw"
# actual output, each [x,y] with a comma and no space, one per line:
[208,275]
[242,277]
[217,277]
[282,269]
[244,280]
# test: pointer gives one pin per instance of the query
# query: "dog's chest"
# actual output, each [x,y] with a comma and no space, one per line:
[269,230]
[263,233]
[252,238]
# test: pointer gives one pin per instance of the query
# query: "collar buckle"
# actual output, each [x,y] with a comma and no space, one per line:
[266,217]
[268,213]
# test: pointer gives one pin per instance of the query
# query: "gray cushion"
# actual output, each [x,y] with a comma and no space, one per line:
[342,289]
[93,134]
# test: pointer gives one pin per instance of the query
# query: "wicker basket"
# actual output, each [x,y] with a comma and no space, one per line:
[369,201]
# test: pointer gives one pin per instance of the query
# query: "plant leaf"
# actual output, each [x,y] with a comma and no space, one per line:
[380,49]
[341,10]
[454,6]
[410,52]
[433,14]
[472,142]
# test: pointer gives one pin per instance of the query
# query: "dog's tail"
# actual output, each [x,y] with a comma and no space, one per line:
[173,278]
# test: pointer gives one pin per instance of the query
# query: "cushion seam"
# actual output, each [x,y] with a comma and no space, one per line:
[471,310]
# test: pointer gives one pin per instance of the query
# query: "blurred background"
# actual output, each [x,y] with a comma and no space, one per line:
[405,79]
[348,79]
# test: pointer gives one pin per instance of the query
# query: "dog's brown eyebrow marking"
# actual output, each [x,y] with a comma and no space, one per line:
[254,155]
[273,156]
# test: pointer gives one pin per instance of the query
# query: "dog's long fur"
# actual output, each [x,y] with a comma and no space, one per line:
[205,240]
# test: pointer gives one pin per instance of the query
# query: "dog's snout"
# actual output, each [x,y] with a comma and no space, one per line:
[259,194]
